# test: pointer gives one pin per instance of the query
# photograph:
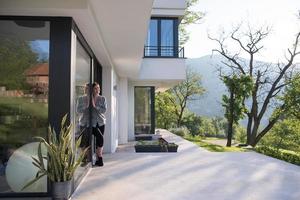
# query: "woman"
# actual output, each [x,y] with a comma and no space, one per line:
[98,108]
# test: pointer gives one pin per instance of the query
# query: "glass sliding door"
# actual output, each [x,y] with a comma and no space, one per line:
[24,78]
[144,110]
[82,80]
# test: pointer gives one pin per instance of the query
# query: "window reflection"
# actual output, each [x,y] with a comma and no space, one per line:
[152,39]
[24,72]
[167,41]
[82,78]
[160,38]
[142,110]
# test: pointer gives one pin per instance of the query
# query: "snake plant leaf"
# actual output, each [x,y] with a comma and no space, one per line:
[62,161]
[33,181]
[40,156]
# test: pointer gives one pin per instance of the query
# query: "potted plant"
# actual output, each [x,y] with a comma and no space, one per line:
[60,163]
[172,147]
[147,146]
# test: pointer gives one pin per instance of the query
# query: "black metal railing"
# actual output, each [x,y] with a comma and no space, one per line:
[164,51]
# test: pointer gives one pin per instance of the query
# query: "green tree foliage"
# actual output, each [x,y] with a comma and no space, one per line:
[239,88]
[190,17]
[16,56]
[292,97]
[220,126]
[284,135]
[164,111]
[207,128]
[192,122]
[268,84]
[170,105]
[240,134]
[213,127]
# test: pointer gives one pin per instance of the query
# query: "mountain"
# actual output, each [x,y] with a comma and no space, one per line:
[209,104]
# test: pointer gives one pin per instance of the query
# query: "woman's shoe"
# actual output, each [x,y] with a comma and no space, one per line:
[99,162]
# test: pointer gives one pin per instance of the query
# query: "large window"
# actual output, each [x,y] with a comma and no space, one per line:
[144,110]
[24,72]
[162,38]
[82,78]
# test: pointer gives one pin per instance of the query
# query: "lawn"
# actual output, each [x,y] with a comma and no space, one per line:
[21,120]
[212,147]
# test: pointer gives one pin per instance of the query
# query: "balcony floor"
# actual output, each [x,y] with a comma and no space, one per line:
[191,174]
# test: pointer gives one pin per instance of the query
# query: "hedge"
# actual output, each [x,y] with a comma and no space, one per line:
[288,156]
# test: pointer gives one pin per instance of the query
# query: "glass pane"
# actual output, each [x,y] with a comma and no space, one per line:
[167,40]
[142,110]
[82,78]
[24,72]
[151,46]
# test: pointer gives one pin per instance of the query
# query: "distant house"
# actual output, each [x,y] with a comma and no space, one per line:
[38,77]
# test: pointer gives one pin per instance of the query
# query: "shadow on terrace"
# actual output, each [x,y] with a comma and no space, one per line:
[192,173]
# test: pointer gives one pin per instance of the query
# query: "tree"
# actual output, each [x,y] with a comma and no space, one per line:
[284,135]
[188,90]
[192,122]
[269,80]
[190,17]
[291,98]
[164,111]
[239,88]
[16,56]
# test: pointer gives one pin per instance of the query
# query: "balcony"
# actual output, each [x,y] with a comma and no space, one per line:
[163,52]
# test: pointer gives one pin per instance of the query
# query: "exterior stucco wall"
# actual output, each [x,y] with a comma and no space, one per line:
[123,110]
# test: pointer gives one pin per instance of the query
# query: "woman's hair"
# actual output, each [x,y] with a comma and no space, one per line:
[93,84]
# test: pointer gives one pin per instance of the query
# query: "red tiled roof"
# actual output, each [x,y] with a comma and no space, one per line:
[41,69]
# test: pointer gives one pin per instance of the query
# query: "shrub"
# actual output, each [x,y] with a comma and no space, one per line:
[180,131]
[240,134]
[288,156]
[284,135]
[193,123]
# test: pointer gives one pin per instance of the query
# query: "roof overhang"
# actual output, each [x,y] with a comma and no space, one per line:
[115,30]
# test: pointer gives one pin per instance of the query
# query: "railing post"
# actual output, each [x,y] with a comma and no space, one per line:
[164,51]
[158,51]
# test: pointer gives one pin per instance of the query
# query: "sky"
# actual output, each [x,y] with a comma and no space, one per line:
[280,15]
[41,47]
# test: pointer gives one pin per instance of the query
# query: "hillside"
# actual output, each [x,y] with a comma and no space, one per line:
[210,103]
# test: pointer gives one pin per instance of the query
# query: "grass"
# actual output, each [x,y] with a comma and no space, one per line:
[21,120]
[212,147]
[23,105]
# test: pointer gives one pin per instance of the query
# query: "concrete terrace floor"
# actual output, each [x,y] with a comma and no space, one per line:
[191,174]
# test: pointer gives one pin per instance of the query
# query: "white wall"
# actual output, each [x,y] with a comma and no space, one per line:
[109,86]
[114,113]
[130,111]
[169,4]
[107,74]
[171,8]
[163,69]
[123,110]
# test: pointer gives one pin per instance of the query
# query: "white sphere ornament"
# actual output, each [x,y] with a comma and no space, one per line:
[20,170]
